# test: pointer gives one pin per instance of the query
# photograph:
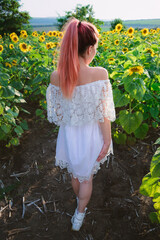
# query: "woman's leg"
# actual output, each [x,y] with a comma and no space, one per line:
[85,191]
[75,185]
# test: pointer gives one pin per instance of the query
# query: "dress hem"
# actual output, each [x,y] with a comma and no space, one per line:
[95,168]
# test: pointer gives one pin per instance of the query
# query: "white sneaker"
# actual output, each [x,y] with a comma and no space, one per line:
[77,220]
[75,210]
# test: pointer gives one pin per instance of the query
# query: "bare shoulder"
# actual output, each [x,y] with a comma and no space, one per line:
[54,78]
[100,73]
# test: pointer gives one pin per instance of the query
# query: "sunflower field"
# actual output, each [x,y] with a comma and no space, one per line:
[131,57]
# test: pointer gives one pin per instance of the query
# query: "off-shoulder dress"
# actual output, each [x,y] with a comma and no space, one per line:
[80,139]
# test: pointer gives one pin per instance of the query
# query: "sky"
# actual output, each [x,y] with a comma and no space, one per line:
[103,9]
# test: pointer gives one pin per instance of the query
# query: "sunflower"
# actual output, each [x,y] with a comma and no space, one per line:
[130,31]
[50,34]
[11,46]
[23,32]
[54,33]
[35,34]
[12,34]
[15,38]
[116,42]
[60,34]
[14,62]
[1,48]
[111,60]
[101,43]
[25,35]
[118,27]
[7,64]
[148,50]
[145,31]
[0,36]
[52,44]
[44,33]
[41,38]
[125,50]
[136,69]
[48,45]
[23,47]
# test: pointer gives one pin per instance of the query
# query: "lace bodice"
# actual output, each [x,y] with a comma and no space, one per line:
[90,102]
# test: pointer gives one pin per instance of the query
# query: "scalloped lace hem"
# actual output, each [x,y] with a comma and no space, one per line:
[95,168]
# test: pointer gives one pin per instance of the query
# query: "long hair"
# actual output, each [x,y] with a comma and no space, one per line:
[78,36]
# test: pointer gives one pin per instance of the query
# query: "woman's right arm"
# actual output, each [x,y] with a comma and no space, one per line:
[106,132]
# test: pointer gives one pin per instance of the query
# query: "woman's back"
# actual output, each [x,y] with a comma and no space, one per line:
[86,75]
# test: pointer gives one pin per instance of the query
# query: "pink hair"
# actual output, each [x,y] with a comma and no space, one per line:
[77,38]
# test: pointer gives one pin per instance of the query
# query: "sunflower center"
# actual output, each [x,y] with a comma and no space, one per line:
[24,46]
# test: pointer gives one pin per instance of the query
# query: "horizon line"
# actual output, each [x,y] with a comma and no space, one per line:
[113,19]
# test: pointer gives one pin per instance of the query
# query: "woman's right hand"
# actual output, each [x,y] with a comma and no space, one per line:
[103,152]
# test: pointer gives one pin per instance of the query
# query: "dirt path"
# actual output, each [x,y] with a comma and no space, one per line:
[116,210]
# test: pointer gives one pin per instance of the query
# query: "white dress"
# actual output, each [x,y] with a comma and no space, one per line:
[80,139]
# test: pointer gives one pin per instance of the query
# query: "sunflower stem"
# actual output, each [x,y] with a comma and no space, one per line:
[130,110]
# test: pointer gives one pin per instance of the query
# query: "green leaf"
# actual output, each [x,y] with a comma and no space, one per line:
[127,64]
[136,88]
[4,76]
[8,117]
[135,53]
[24,110]
[2,134]
[157,141]
[38,79]
[19,100]
[130,55]
[14,114]
[18,130]
[130,121]
[10,91]
[39,112]
[141,131]
[120,100]
[6,128]
[149,185]
[120,138]
[154,112]
[156,87]
[17,84]
[1,109]
[155,164]
[24,125]
[154,217]
[43,90]
[14,141]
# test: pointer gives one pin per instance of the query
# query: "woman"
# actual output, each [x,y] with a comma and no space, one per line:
[80,101]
